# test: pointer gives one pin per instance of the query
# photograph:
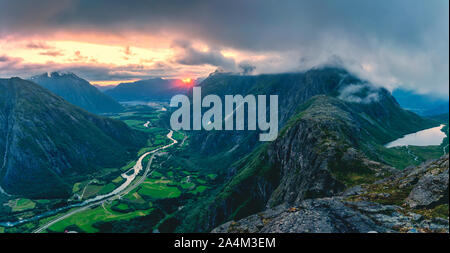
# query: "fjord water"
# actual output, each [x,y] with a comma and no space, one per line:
[427,137]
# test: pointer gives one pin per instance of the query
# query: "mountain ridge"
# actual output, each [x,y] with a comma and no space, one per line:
[47,144]
[77,91]
[328,142]
[149,89]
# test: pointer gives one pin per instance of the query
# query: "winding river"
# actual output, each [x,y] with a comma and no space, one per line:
[128,176]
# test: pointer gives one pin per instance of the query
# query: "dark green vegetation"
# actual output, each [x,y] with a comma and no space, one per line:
[48,144]
[402,157]
[146,90]
[78,92]
[385,120]
[328,142]
[151,205]
[333,128]
[148,207]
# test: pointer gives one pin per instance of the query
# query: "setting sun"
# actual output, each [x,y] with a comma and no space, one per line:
[186,80]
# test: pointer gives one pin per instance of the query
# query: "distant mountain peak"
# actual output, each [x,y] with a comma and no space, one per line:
[47,144]
[55,74]
[148,89]
[77,91]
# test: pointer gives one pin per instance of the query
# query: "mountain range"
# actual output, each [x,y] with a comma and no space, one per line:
[77,91]
[422,104]
[48,144]
[333,128]
[328,170]
[295,90]
[150,89]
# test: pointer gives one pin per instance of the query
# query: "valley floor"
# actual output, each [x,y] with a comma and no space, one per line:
[146,194]
[100,204]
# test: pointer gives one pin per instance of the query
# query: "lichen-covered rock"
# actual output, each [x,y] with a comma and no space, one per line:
[432,189]
[334,215]
[326,215]
[413,200]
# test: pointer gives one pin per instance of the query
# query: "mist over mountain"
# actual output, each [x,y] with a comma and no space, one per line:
[77,91]
[47,144]
[308,117]
[150,89]
[333,128]
[424,105]
[294,89]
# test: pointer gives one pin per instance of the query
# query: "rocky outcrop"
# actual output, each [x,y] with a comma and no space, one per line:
[315,156]
[318,152]
[414,200]
[335,215]
[432,187]
[334,126]
[295,89]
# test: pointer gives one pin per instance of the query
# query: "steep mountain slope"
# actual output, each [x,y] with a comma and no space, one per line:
[328,143]
[413,200]
[151,89]
[78,92]
[47,144]
[294,89]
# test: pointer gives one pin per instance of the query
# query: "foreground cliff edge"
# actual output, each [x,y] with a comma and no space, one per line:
[413,200]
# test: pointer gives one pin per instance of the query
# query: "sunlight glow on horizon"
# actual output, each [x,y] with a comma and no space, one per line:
[75,51]
[113,82]
[32,56]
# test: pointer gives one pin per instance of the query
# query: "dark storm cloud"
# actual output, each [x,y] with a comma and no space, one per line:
[7,61]
[405,41]
[191,56]
[250,24]
[4,58]
[246,67]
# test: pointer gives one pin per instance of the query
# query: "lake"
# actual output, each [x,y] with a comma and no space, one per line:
[427,137]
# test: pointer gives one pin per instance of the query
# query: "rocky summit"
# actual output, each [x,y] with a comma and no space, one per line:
[413,200]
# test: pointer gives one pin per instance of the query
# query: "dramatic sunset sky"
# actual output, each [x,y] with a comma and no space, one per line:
[391,43]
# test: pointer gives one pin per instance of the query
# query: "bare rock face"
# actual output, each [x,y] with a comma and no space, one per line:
[413,200]
[432,188]
[325,215]
[333,215]
[326,145]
